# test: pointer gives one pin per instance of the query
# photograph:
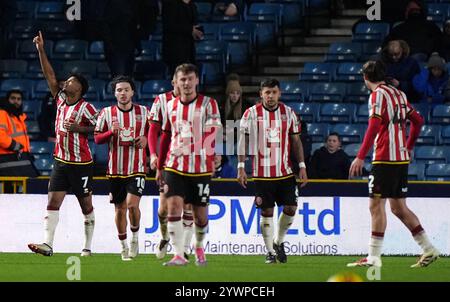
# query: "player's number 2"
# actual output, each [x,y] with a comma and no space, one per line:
[371,178]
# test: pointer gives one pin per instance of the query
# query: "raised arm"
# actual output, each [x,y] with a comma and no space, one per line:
[47,68]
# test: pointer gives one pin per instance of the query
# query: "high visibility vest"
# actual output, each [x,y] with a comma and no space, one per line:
[13,128]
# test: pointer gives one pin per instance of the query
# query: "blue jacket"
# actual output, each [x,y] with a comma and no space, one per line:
[429,86]
[226,171]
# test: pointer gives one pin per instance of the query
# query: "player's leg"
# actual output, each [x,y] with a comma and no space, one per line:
[118,196]
[161,249]
[134,214]
[188,226]
[411,221]
[201,227]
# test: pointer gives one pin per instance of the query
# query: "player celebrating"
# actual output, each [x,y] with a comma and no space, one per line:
[271,129]
[73,166]
[125,127]
[190,130]
[157,118]
[388,112]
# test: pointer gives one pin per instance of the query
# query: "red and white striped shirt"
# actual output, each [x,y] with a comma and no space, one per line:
[269,141]
[159,107]
[191,149]
[391,106]
[124,158]
[73,147]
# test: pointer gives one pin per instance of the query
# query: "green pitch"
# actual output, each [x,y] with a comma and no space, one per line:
[108,267]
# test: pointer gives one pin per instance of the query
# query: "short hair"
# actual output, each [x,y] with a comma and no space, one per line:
[269,83]
[334,134]
[8,94]
[83,82]
[186,68]
[121,79]
[374,71]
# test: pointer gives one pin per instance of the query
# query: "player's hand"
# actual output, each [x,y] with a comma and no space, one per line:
[39,42]
[70,125]
[153,161]
[140,142]
[242,177]
[303,176]
[197,34]
[115,127]
[159,178]
[356,167]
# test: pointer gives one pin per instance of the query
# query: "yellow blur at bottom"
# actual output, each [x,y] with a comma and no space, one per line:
[345,277]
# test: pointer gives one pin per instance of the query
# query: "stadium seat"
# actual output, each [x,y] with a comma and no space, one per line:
[85,68]
[211,31]
[204,10]
[150,51]
[343,52]
[308,112]
[362,113]
[150,89]
[101,154]
[293,91]
[219,16]
[292,12]
[103,71]
[429,135]
[357,93]
[318,131]
[31,109]
[214,57]
[370,51]
[240,37]
[327,92]
[95,51]
[445,135]
[34,70]
[44,165]
[441,114]
[369,31]
[33,129]
[26,49]
[26,86]
[267,18]
[70,49]
[98,86]
[151,70]
[349,72]
[431,155]
[349,134]
[318,71]
[316,146]
[416,171]
[336,112]
[25,10]
[13,68]
[157,33]
[41,149]
[438,172]
[40,89]
[50,10]
[437,12]
[57,30]
[24,29]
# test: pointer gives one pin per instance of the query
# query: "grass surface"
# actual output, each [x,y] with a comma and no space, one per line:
[109,267]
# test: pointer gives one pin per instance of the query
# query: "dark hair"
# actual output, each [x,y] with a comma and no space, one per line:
[122,79]
[334,134]
[8,94]
[186,68]
[83,82]
[374,71]
[269,83]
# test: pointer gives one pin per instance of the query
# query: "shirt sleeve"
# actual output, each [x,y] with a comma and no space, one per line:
[244,125]
[295,127]
[155,111]
[101,124]
[212,114]
[91,113]
[376,101]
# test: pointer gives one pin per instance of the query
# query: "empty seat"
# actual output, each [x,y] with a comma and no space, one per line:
[308,112]
[293,91]
[24,29]
[33,129]
[85,68]
[438,172]
[352,133]
[40,89]
[211,31]
[431,155]
[429,135]
[327,92]
[70,49]
[362,114]
[343,52]
[214,57]
[25,9]
[96,51]
[367,31]
[42,149]
[336,112]
[13,68]
[103,71]
[440,114]
[150,89]
[204,10]
[416,171]
[318,131]
[44,165]
[318,71]
[316,146]
[58,30]
[50,10]
[240,37]
[445,135]
[34,70]
[31,109]
[267,18]
[357,92]
[27,50]
[150,51]
[437,12]
[26,86]
[95,92]
[349,72]
[370,50]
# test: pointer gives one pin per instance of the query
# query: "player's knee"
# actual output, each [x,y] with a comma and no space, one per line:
[398,211]
[290,211]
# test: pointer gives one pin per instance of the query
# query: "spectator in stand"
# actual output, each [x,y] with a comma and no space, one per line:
[330,161]
[400,67]
[445,52]
[222,168]
[47,117]
[229,8]
[433,81]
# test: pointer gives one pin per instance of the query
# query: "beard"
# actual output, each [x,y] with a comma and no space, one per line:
[14,110]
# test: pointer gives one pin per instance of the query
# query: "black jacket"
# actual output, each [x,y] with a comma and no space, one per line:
[326,165]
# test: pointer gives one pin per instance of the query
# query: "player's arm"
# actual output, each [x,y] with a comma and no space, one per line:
[417,122]
[47,68]
[299,156]
[102,134]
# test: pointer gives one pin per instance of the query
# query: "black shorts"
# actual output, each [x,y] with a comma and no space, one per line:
[193,189]
[388,181]
[120,187]
[65,176]
[282,192]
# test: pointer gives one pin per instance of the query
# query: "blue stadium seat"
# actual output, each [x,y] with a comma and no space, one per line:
[151,51]
[343,52]
[352,150]
[438,12]
[150,89]
[41,149]
[44,165]
[438,172]
[423,110]
[293,91]
[349,72]
[445,135]
[362,114]
[151,70]
[368,31]
[25,9]
[328,92]
[316,146]
[34,70]
[57,30]
[100,105]
[24,29]
[50,10]
[85,68]
[440,114]
[240,37]
[357,93]
[370,50]
[103,71]
[204,10]
[318,71]
[96,51]
[33,129]
[13,68]
[214,57]
[40,89]
[96,87]
[336,112]
[211,31]
[218,16]
[101,154]
[318,131]
[27,50]
[31,109]
[26,86]
[267,17]
[431,155]
[157,33]
[70,49]
[308,112]
[429,135]
[292,11]
[416,171]
[349,134]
